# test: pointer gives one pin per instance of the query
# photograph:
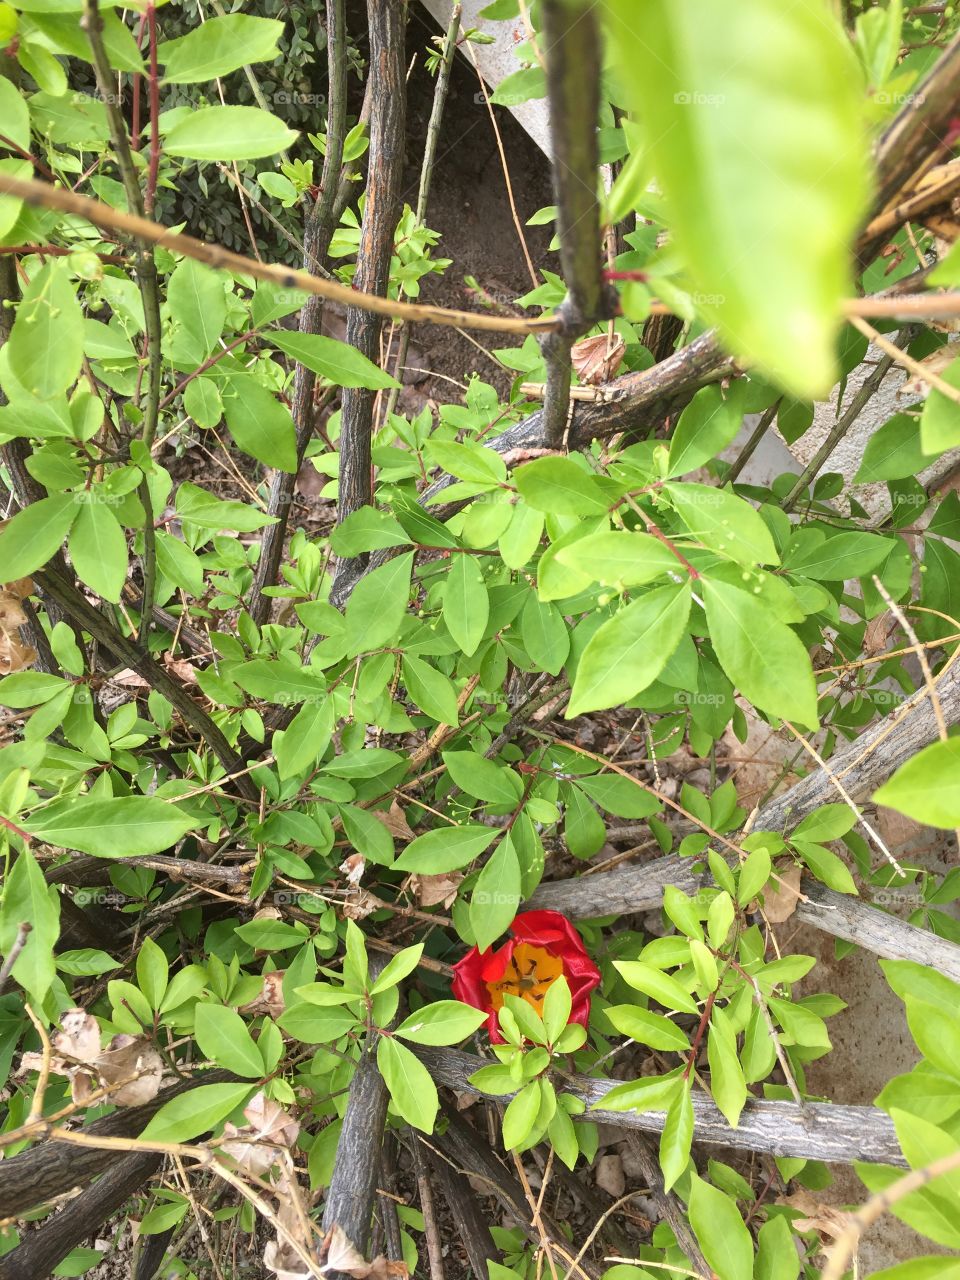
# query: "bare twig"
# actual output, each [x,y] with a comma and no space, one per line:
[385,20]
[24,929]
[573,53]
[146,272]
[846,420]
[846,1243]
[45,195]
[430,1226]
[321,224]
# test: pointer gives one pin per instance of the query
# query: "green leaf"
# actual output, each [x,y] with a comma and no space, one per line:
[720,1230]
[482,778]
[521,1115]
[724,523]
[829,822]
[445,849]
[936,1033]
[317,1025]
[366,763]
[111,827]
[69,37]
[940,420]
[466,604]
[496,895]
[893,452]
[927,787]
[938,1268]
[470,462]
[681,910]
[650,1093]
[519,542]
[228,133]
[368,529]
[45,347]
[560,486]
[557,1006]
[656,984]
[931,1209]
[826,866]
[760,654]
[412,1091]
[305,738]
[431,690]
[584,831]
[336,361]
[765,232]
[707,425]
[207,512]
[777,1257]
[619,795]
[219,46]
[443,1022]
[153,972]
[397,968]
[726,1075]
[545,635]
[86,962]
[35,534]
[378,604]
[837,558]
[628,653]
[806,1027]
[520,86]
[676,1137]
[619,559]
[919,982]
[222,1035]
[28,899]
[198,305]
[368,835]
[754,874]
[30,689]
[98,549]
[260,424]
[15,114]
[648,1028]
[194,1112]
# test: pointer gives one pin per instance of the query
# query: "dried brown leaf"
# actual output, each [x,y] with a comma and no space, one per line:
[829,1222]
[359,905]
[134,1060]
[431,890]
[596,360]
[780,899]
[270,1000]
[353,867]
[78,1037]
[395,820]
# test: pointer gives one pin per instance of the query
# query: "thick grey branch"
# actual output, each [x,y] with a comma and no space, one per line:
[818,1131]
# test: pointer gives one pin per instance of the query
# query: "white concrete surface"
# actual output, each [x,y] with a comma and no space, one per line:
[498,60]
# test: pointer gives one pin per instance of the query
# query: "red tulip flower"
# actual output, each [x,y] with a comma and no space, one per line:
[544,945]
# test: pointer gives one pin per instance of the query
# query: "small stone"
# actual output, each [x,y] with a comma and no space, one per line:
[610,1176]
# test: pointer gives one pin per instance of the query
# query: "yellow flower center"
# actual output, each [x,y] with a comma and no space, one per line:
[528,975]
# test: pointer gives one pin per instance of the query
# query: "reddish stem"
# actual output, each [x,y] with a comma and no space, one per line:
[638,277]
[698,1038]
[58,251]
[154,168]
[17,831]
[137,89]
[207,364]
[657,532]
